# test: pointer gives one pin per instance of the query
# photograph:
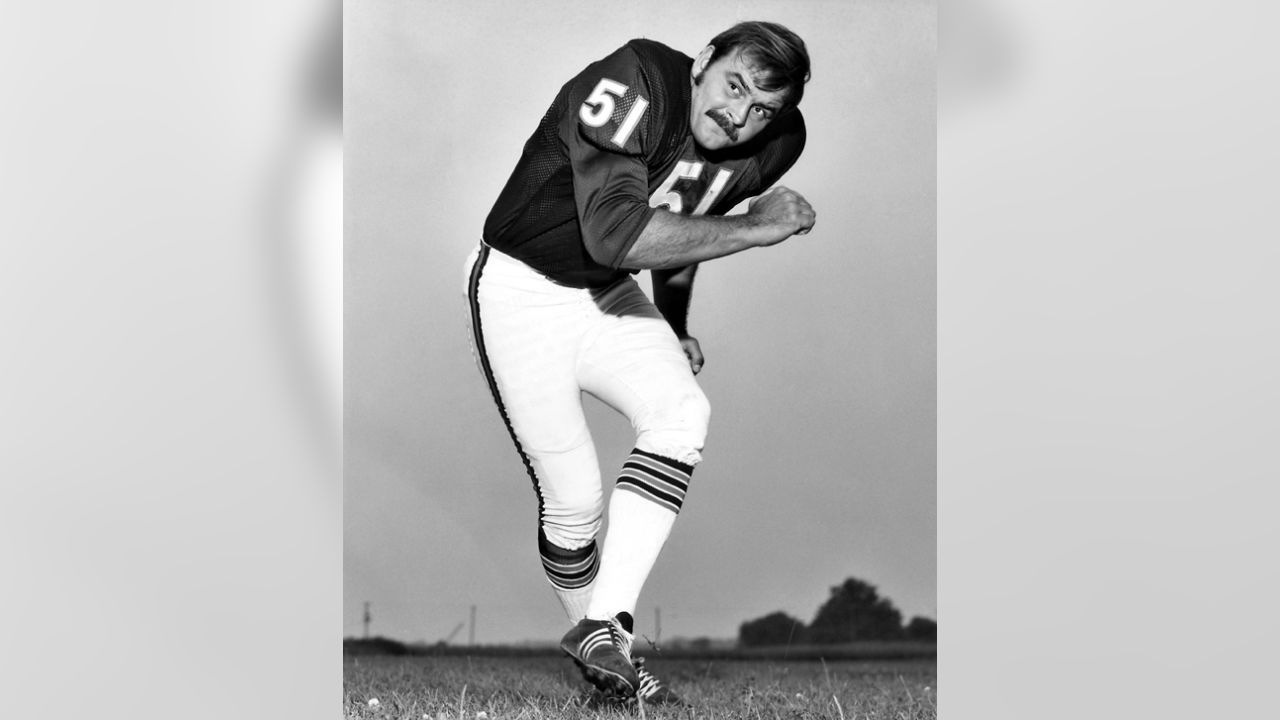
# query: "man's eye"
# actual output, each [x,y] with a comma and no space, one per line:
[733,87]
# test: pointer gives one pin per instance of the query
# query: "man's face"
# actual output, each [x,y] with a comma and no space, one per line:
[728,108]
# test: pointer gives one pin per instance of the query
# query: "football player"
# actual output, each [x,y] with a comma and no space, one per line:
[632,167]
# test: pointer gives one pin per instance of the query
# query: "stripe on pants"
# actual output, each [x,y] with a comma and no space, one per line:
[473,300]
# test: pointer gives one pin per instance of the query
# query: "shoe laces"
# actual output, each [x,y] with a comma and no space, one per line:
[649,683]
[620,637]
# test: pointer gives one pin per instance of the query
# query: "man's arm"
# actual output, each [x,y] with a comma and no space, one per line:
[672,288]
[670,240]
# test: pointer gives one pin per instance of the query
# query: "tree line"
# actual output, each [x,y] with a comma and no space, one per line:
[854,611]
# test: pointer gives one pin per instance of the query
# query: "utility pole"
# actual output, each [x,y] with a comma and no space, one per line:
[657,625]
[367,618]
[472,634]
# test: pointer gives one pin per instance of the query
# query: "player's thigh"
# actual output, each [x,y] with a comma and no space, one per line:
[532,375]
[637,366]
[526,347]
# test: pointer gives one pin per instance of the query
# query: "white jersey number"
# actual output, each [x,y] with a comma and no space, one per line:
[686,170]
[599,105]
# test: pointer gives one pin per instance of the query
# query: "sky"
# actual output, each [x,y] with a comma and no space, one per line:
[821,352]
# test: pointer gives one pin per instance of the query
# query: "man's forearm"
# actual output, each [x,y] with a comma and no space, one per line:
[670,240]
[672,289]
[674,241]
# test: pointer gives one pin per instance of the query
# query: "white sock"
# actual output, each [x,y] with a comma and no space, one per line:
[642,510]
[575,601]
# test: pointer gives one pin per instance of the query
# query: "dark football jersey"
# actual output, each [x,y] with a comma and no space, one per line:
[614,146]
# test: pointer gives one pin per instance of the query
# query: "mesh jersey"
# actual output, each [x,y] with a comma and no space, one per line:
[614,146]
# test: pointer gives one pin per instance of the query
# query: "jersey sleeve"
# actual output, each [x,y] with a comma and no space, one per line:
[606,131]
[783,149]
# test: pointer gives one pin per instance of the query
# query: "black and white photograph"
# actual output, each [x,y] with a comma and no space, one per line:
[640,378]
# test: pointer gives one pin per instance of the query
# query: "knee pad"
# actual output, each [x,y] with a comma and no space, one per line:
[569,519]
[677,429]
[571,528]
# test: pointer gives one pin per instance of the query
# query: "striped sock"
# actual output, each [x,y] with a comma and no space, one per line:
[661,480]
[571,573]
[642,511]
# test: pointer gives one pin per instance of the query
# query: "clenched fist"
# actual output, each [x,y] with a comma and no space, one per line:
[784,212]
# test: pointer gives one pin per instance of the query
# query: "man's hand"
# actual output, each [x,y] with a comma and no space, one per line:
[693,351]
[783,210]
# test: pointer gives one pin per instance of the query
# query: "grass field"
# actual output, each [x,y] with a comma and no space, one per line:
[498,688]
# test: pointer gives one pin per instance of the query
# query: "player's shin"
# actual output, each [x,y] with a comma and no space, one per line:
[642,511]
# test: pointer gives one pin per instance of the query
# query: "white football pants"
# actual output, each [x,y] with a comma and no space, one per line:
[540,345]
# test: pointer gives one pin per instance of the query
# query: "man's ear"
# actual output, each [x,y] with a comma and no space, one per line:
[704,58]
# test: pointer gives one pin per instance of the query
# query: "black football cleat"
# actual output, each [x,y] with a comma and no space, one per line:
[602,650]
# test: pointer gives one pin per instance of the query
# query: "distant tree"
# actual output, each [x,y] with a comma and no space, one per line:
[922,628]
[373,646]
[776,628]
[855,611]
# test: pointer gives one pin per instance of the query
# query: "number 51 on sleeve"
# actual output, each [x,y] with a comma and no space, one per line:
[599,105]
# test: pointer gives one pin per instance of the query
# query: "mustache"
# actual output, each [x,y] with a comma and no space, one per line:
[725,124]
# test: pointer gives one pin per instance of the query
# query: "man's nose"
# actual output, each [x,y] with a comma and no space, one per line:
[738,111]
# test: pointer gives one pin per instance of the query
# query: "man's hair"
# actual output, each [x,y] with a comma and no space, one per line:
[777,56]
